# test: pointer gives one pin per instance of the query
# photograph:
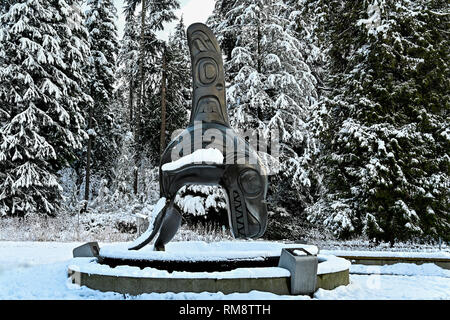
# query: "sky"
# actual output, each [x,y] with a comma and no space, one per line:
[192,11]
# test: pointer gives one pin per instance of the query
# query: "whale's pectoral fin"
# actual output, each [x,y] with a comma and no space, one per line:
[170,225]
[152,230]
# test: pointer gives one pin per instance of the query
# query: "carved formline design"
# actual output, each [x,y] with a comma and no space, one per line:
[208,103]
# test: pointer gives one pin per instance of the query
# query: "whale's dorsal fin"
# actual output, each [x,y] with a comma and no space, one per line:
[208,80]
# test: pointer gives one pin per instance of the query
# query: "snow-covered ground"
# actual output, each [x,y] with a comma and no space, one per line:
[38,270]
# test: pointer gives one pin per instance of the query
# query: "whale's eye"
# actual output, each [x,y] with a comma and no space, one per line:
[251,182]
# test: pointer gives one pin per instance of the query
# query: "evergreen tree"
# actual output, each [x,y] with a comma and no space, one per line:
[153,15]
[178,89]
[123,171]
[387,147]
[155,52]
[42,50]
[272,89]
[127,69]
[102,145]
[216,21]
[178,77]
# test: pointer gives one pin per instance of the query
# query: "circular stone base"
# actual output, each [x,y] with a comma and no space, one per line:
[199,256]
[227,267]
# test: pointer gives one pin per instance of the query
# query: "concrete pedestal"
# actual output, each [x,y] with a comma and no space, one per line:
[303,269]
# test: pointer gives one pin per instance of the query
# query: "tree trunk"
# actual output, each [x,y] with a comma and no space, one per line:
[163,104]
[141,70]
[135,184]
[130,101]
[137,133]
[88,161]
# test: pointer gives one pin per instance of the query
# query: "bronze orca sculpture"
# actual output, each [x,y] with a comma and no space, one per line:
[244,180]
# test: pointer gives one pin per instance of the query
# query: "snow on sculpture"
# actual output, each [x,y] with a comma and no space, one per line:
[210,152]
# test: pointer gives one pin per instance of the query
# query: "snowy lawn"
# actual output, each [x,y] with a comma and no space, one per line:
[38,270]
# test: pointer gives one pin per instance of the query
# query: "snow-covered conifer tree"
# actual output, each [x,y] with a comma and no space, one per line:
[127,68]
[152,16]
[271,88]
[216,21]
[102,144]
[157,13]
[178,74]
[387,154]
[42,51]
